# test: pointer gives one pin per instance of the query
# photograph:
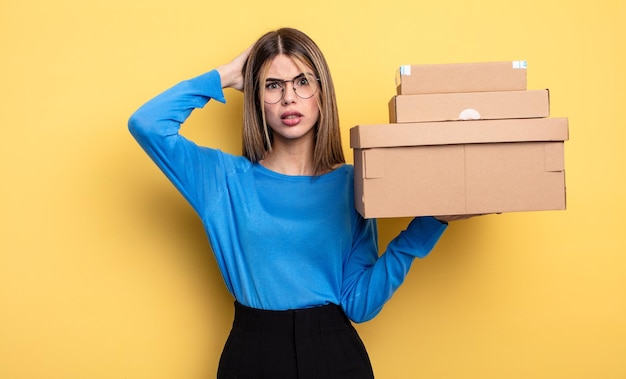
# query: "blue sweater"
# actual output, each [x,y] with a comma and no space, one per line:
[281,242]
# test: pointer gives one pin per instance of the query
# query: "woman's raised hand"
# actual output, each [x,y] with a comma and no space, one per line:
[230,73]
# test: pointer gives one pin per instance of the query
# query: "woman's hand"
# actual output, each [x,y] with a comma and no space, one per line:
[230,73]
[447,219]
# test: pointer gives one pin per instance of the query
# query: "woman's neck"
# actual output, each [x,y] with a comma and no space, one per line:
[295,162]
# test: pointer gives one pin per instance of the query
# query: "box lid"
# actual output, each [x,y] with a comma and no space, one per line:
[459,132]
[461,77]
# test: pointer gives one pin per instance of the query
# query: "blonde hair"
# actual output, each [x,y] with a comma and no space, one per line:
[257,137]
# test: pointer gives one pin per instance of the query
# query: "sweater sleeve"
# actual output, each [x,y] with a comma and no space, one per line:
[156,125]
[370,280]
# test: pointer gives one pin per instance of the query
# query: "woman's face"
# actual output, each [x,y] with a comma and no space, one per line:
[292,118]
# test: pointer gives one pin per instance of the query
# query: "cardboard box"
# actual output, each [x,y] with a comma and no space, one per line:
[469,106]
[459,167]
[461,77]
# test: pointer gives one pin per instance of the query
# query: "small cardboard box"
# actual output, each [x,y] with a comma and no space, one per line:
[469,106]
[459,167]
[461,77]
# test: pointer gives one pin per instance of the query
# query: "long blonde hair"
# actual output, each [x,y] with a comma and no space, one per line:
[257,137]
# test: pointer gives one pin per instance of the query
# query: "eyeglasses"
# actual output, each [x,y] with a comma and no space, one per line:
[304,86]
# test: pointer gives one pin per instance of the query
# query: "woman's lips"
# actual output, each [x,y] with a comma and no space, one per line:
[291,118]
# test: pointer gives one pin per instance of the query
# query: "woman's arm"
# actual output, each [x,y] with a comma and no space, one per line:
[370,281]
[163,115]
[156,125]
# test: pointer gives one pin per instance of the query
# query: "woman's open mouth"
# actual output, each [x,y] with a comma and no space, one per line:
[291,118]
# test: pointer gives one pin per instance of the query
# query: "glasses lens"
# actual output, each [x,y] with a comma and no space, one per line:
[273,91]
[305,86]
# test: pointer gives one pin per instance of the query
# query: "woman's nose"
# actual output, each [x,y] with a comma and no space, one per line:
[290,93]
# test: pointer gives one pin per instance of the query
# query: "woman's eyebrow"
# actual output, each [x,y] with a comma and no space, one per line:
[282,80]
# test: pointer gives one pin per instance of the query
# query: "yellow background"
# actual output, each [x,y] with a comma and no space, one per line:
[105,271]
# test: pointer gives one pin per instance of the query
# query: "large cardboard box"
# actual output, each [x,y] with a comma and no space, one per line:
[469,106]
[461,77]
[459,167]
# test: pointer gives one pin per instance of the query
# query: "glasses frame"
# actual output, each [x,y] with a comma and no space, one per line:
[293,86]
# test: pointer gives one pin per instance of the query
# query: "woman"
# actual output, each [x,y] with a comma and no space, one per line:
[298,259]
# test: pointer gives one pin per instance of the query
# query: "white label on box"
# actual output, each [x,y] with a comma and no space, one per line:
[519,64]
[402,70]
[469,114]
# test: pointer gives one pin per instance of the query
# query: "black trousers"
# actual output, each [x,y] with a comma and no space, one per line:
[312,343]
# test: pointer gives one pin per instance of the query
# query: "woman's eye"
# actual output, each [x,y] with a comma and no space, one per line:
[303,81]
[273,86]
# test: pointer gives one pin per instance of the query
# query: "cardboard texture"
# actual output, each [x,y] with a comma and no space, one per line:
[459,167]
[461,77]
[469,106]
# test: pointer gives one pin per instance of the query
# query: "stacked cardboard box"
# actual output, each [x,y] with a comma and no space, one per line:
[462,139]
